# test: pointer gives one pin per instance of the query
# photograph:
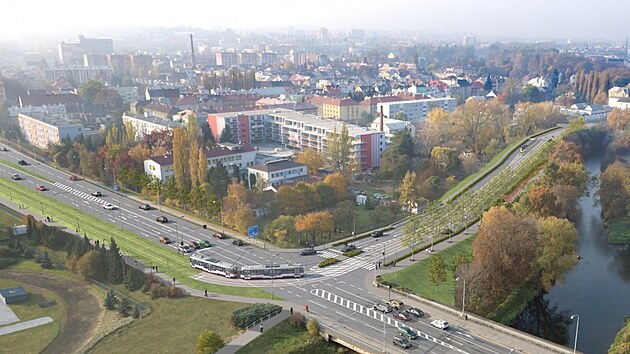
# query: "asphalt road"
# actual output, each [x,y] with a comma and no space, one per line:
[338,292]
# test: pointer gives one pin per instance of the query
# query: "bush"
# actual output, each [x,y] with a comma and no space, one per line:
[6,252]
[328,261]
[6,262]
[352,253]
[246,316]
[46,261]
[297,320]
[28,253]
[312,327]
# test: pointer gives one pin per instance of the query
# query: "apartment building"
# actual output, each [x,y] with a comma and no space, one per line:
[78,74]
[345,109]
[146,125]
[226,59]
[45,131]
[275,173]
[416,110]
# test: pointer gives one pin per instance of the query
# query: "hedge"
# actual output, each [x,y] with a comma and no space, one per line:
[352,253]
[328,261]
[247,316]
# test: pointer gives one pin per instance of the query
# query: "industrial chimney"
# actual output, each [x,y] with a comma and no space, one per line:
[382,127]
[192,50]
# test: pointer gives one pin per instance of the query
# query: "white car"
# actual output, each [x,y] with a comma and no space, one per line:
[441,324]
[109,206]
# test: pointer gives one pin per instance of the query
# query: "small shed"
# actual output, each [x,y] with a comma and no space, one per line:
[13,295]
[19,230]
[361,199]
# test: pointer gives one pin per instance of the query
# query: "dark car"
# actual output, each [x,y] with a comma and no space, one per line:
[164,239]
[4,149]
[194,244]
[237,242]
[308,252]
[403,316]
[22,162]
[74,178]
[96,194]
[144,206]
[219,235]
[377,233]
[16,177]
[348,248]
[163,219]
[402,342]
[416,311]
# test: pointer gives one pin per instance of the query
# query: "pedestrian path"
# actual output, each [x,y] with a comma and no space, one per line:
[25,325]
[253,332]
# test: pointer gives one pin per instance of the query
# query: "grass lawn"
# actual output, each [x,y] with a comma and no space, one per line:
[284,338]
[6,221]
[621,345]
[619,230]
[131,244]
[33,340]
[172,327]
[415,277]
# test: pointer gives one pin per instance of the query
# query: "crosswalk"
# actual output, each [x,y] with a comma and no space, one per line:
[78,193]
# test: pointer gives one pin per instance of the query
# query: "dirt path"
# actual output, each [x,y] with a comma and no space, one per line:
[83,309]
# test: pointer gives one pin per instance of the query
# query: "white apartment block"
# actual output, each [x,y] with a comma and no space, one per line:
[275,173]
[46,131]
[128,93]
[145,126]
[416,110]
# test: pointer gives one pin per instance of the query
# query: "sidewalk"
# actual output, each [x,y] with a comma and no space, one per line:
[253,332]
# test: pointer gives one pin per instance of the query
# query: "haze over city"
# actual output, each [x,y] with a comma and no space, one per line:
[535,19]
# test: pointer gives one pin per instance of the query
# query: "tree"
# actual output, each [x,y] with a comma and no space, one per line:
[339,153]
[281,229]
[618,119]
[557,240]
[339,184]
[110,99]
[409,191]
[136,312]
[109,301]
[202,167]
[115,263]
[90,266]
[312,327]
[123,308]
[314,224]
[487,86]
[401,116]
[89,90]
[180,160]
[437,270]
[208,343]
[193,163]
[219,180]
[312,159]
[542,201]
[226,135]
[236,210]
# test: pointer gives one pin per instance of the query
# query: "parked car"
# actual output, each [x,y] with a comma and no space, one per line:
[237,242]
[22,162]
[377,233]
[403,316]
[194,244]
[384,308]
[184,249]
[144,206]
[4,149]
[41,188]
[165,240]
[416,311]
[348,248]
[16,177]
[109,206]
[397,304]
[441,324]
[96,194]
[308,251]
[205,243]
[74,178]
[408,332]
[163,219]
[219,235]
[402,342]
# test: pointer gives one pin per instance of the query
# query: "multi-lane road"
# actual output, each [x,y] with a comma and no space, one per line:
[338,292]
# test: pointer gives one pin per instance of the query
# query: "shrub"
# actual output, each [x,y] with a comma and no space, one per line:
[328,261]
[246,316]
[6,262]
[28,253]
[297,320]
[352,253]
[312,327]
[46,261]
[6,252]
[208,342]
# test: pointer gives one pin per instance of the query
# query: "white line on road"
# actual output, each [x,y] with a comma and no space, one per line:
[318,304]
[374,328]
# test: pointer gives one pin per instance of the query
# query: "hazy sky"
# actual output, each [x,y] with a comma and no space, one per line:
[557,19]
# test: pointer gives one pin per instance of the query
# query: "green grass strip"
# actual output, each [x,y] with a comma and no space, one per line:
[140,248]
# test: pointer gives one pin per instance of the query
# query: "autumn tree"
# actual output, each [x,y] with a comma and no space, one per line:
[614,190]
[566,152]
[312,159]
[180,160]
[202,167]
[557,242]
[542,200]
[437,270]
[339,184]
[438,129]
[236,210]
[340,152]
[314,224]
[90,266]
[208,343]
[193,164]
[409,191]
[618,119]
[90,89]
[282,230]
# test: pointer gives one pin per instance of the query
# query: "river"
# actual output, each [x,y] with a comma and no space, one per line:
[597,289]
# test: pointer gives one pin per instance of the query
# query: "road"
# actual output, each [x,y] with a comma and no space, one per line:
[338,292]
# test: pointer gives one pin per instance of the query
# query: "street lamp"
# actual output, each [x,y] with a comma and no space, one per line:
[463,297]
[577,328]
[78,225]
[42,205]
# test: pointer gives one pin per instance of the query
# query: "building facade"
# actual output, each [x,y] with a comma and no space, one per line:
[275,173]
[144,126]
[345,109]
[78,74]
[416,110]
[45,131]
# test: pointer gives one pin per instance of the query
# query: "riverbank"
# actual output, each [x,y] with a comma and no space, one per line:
[619,230]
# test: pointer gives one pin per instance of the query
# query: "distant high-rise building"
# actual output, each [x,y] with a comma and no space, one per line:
[248,58]
[96,45]
[322,34]
[72,53]
[3,93]
[226,59]
[268,58]
[469,41]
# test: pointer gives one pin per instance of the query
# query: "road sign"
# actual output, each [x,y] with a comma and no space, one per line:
[252,231]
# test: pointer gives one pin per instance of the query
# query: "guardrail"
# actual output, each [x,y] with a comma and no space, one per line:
[342,337]
[260,320]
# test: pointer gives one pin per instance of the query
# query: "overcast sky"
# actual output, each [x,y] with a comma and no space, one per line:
[532,19]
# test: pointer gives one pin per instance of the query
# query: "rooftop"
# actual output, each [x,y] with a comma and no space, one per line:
[275,166]
[9,292]
[217,151]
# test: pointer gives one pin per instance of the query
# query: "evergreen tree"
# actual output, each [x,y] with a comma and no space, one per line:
[128,280]
[136,312]
[487,86]
[46,261]
[123,308]
[109,301]
[115,263]
[236,173]
[219,180]
[226,135]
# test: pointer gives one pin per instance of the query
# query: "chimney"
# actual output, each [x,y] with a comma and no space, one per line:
[192,51]
[382,128]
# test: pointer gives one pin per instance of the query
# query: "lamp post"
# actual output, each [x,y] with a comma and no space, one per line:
[42,205]
[78,225]
[463,297]
[577,328]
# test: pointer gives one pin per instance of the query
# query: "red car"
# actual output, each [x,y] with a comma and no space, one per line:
[41,188]
[403,316]
[220,235]
[74,178]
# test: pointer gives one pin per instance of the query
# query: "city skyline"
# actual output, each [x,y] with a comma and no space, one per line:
[536,19]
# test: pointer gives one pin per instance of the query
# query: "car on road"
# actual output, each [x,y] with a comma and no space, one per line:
[377,233]
[163,219]
[22,162]
[96,194]
[144,206]
[165,240]
[408,332]
[219,235]
[416,311]
[441,324]
[74,178]
[205,243]
[384,308]
[4,149]
[237,242]
[109,206]
[403,316]
[184,249]
[308,251]
[16,177]
[194,244]
[401,342]
[397,304]
[348,248]
[41,188]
